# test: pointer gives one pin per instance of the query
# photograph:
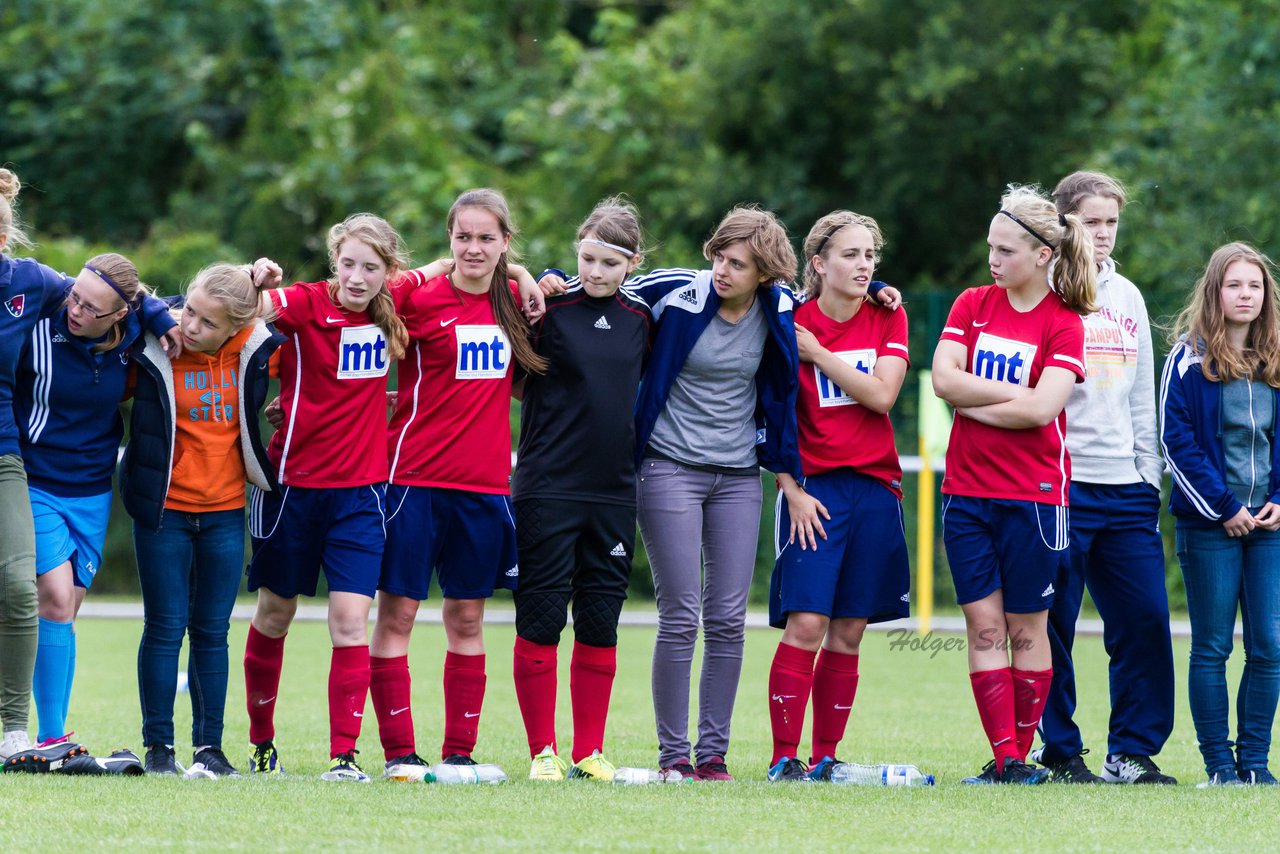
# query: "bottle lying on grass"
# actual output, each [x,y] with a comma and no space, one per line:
[645,776]
[473,774]
[851,774]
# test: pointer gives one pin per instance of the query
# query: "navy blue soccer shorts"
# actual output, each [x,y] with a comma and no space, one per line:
[859,570]
[468,539]
[1002,544]
[298,530]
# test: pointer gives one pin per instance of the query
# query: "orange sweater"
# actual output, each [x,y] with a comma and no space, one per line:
[208,464]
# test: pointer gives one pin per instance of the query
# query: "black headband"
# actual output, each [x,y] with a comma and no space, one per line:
[830,234]
[1062,220]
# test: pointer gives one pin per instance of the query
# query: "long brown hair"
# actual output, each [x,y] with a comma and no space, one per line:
[1202,323]
[818,242]
[376,233]
[505,309]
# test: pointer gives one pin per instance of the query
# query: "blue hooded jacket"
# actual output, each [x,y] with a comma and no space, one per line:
[1191,436]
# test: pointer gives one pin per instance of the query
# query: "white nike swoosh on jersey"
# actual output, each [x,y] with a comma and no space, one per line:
[357,714]
[983,323]
[395,712]
[844,708]
[333,320]
[264,702]
[471,714]
[445,323]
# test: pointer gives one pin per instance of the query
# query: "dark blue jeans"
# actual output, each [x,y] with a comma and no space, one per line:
[1222,573]
[190,571]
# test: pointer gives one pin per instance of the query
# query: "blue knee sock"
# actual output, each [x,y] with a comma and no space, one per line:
[49,684]
[71,674]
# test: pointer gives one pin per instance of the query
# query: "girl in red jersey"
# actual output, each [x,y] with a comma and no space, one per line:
[1007,360]
[853,354]
[449,507]
[342,335]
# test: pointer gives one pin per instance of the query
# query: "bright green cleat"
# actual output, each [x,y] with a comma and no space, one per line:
[265,760]
[548,766]
[593,767]
[345,770]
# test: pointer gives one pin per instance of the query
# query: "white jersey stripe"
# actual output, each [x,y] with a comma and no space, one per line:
[42,350]
[297,395]
[1176,355]
[413,414]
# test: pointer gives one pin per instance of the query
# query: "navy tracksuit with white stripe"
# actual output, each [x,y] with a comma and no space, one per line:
[66,403]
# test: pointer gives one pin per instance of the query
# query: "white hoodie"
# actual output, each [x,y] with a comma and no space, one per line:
[1111,416]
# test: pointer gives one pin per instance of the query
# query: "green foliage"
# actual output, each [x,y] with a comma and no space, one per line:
[187,132]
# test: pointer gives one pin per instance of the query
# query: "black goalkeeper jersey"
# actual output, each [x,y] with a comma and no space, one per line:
[577,425]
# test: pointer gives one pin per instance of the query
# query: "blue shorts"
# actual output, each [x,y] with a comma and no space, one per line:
[297,530]
[859,570]
[467,538]
[70,528]
[1000,544]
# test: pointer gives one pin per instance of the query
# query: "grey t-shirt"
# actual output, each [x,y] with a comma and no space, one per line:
[1247,414]
[709,417]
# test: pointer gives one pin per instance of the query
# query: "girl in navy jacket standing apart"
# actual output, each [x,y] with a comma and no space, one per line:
[1219,395]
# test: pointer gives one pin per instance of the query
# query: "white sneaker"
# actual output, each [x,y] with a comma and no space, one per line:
[15,741]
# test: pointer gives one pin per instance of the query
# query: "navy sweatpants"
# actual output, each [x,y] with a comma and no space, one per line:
[1116,551]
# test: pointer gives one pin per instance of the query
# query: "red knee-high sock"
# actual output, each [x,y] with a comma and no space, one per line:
[348,690]
[790,679]
[390,687]
[993,691]
[463,696]
[591,672]
[1030,688]
[263,660]
[835,683]
[534,669]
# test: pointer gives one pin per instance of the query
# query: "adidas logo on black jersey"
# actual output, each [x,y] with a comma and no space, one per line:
[619,551]
[603,323]
[59,338]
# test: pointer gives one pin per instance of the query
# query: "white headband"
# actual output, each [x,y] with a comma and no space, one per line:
[615,247]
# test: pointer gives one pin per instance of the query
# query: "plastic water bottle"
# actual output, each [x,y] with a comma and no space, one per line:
[469,774]
[635,776]
[848,773]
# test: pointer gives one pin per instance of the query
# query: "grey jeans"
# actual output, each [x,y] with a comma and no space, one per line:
[700,530]
[18,624]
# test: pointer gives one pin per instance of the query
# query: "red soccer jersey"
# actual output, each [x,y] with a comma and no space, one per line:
[1014,347]
[835,430]
[333,383]
[451,427]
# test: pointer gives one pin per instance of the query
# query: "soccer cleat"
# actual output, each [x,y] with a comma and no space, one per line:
[345,770]
[678,772]
[266,760]
[1257,777]
[210,764]
[458,759]
[410,768]
[713,770]
[47,756]
[1221,777]
[547,766]
[593,767]
[1072,771]
[988,775]
[161,760]
[788,769]
[1133,768]
[1017,772]
[821,773]
[123,762]
[15,741]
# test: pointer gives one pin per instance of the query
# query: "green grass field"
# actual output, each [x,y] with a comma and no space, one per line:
[911,707]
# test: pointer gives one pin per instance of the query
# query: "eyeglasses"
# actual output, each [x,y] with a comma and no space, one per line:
[73,300]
